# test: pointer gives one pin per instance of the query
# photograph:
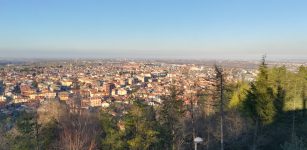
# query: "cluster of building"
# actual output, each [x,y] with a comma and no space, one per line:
[99,83]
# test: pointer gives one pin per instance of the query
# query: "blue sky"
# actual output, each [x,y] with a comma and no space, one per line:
[153,28]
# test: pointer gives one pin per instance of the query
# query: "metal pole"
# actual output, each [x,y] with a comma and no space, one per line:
[195,146]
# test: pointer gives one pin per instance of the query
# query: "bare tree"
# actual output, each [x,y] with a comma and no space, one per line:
[220,89]
[78,132]
[49,110]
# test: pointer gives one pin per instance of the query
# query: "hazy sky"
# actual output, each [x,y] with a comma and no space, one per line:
[153,28]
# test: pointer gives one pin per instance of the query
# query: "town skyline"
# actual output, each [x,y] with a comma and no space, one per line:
[153,74]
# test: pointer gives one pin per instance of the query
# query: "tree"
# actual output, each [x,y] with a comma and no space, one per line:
[28,132]
[141,127]
[49,134]
[220,94]
[79,131]
[170,117]
[112,137]
[259,103]
[7,135]
[302,73]
[238,95]
[50,110]
[280,99]
[295,144]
